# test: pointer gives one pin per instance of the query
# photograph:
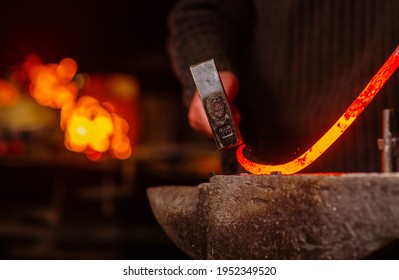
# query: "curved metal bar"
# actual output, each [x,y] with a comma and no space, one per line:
[354,110]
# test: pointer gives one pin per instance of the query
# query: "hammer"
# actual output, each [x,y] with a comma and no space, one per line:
[216,106]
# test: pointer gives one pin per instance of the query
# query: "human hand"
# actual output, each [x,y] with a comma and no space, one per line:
[196,114]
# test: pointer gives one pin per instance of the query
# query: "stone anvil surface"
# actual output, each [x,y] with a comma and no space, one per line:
[303,216]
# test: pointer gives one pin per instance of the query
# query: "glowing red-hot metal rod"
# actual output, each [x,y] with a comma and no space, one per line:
[354,110]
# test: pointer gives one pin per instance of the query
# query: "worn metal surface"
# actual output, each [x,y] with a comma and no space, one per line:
[179,211]
[215,103]
[281,217]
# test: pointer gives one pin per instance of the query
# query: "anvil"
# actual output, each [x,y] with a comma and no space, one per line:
[308,216]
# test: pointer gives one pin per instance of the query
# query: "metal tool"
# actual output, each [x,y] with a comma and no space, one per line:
[389,144]
[216,106]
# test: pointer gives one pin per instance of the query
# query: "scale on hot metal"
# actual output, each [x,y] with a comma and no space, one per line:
[311,216]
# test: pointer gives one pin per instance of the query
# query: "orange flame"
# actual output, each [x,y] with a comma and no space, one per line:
[354,110]
[120,143]
[9,94]
[89,127]
[52,85]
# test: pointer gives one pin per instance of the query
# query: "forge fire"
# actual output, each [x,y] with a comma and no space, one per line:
[90,126]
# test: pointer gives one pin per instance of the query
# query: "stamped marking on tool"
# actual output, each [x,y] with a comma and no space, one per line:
[225,131]
[216,106]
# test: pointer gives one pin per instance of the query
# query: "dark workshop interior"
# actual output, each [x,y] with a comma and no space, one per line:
[75,166]
[60,201]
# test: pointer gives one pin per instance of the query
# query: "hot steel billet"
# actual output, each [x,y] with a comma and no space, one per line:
[216,106]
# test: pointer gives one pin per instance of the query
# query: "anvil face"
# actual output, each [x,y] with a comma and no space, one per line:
[347,216]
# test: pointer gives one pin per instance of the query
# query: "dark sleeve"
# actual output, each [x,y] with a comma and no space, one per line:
[203,29]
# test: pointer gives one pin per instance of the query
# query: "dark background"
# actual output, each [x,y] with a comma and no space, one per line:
[58,204]
[101,36]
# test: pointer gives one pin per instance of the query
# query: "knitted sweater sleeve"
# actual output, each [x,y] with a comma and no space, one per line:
[203,29]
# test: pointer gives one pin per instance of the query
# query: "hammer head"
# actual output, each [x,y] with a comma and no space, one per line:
[216,106]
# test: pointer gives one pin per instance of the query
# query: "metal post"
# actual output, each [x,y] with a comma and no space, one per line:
[388,144]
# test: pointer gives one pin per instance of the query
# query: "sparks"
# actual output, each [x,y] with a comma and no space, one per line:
[354,110]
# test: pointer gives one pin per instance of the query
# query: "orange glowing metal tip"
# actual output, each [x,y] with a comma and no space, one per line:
[354,110]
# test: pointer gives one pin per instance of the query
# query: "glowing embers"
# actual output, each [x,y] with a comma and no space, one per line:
[52,84]
[92,129]
[89,126]
[334,132]
[9,94]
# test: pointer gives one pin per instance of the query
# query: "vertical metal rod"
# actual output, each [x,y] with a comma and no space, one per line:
[387,164]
